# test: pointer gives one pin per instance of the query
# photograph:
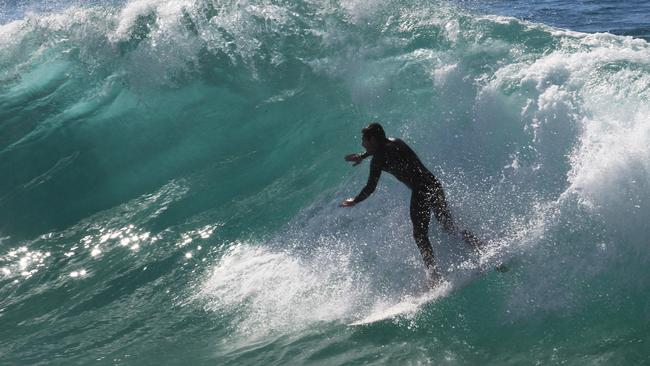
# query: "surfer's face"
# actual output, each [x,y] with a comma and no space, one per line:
[370,143]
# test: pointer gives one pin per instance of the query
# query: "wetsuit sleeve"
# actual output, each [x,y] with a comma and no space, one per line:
[373,179]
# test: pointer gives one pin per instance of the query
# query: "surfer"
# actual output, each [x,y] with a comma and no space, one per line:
[397,158]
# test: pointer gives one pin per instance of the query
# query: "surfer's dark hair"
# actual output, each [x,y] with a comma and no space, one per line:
[374,130]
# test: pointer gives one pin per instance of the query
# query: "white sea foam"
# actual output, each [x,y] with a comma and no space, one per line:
[275,290]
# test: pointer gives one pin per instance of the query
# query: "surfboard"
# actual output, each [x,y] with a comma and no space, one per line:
[407,305]
[465,272]
[410,304]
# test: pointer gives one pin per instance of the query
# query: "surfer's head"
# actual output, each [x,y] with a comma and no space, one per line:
[373,136]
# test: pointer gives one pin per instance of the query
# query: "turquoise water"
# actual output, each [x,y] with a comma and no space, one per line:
[171,173]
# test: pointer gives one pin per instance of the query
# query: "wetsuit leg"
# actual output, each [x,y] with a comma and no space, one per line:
[443,215]
[471,239]
[441,211]
[420,216]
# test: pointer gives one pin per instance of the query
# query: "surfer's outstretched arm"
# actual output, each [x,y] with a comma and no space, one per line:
[373,179]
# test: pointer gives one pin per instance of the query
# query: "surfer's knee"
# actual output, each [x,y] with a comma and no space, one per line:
[446,222]
[443,216]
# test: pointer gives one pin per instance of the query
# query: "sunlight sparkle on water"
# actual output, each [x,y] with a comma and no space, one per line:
[21,261]
[76,274]
[202,233]
[127,236]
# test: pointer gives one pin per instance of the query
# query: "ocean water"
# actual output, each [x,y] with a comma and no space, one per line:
[627,18]
[170,174]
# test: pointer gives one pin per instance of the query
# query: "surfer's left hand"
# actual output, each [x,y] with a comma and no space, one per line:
[348,203]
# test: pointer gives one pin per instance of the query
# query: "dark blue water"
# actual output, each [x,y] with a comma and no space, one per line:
[627,17]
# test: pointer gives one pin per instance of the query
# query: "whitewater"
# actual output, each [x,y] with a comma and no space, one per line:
[170,173]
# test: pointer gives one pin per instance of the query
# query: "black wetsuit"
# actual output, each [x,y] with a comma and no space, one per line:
[398,159]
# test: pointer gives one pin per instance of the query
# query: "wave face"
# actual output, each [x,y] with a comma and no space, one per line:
[171,173]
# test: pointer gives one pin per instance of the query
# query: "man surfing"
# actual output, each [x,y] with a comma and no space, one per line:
[397,158]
